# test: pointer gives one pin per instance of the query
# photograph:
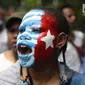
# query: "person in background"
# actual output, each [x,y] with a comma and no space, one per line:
[73,61]
[9,57]
[3,31]
[69,13]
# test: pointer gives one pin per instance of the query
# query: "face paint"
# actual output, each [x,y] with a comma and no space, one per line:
[36,38]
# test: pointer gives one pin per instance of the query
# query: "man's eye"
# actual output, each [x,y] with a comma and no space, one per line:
[35,30]
[21,30]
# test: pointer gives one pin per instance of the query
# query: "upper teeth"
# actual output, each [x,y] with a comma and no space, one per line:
[22,46]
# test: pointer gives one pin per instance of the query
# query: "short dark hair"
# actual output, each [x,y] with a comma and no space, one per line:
[11,22]
[63,24]
[65,6]
[14,18]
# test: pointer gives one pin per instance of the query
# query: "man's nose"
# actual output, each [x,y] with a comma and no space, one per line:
[74,18]
[15,35]
[24,37]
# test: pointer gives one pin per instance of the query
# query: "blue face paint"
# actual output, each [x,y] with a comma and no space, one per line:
[27,37]
[33,13]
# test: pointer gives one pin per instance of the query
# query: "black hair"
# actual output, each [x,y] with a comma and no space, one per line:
[11,22]
[65,6]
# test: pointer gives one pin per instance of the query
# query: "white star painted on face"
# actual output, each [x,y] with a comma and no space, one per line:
[48,39]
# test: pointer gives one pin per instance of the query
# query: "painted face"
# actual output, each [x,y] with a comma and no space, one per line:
[36,38]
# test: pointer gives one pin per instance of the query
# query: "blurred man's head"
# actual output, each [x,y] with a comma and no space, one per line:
[69,13]
[12,26]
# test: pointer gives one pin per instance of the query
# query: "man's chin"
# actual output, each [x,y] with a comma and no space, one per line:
[27,66]
[14,49]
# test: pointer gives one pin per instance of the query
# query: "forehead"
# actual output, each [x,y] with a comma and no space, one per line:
[68,11]
[39,19]
[32,18]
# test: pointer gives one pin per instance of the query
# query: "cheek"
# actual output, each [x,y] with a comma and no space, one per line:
[41,54]
[9,38]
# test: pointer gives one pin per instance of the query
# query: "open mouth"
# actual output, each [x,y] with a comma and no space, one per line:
[23,49]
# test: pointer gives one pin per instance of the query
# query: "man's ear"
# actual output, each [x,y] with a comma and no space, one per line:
[61,40]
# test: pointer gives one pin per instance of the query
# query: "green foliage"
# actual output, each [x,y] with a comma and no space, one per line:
[9,3]
[28,4]
[25,5]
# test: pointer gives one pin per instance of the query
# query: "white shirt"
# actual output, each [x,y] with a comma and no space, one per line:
[11,75]
[4,63]
[72,58]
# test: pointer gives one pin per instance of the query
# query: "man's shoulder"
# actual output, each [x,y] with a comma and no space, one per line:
[11,75]
[77,79]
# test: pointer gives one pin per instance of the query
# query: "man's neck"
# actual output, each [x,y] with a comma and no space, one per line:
[11,56]
[50,74]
